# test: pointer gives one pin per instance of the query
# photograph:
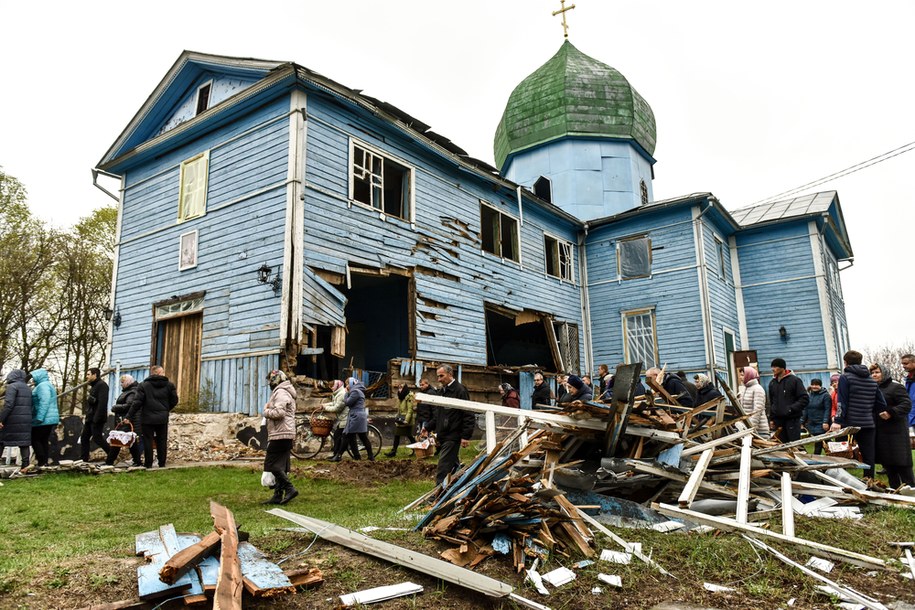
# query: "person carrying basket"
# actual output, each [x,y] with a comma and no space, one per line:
[121,405]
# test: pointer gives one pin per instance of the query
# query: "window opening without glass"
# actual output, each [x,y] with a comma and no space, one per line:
[380,183]
[558,258]
[203,97]
[499,233]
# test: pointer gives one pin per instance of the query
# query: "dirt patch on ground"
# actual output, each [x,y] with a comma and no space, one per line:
[366,473]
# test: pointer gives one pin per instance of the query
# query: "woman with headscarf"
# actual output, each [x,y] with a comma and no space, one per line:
[893,449]
[121,406]
[280,414]
[705,391]
[357,421]
[340,411]
[406,418]
[510,396]
[753,401]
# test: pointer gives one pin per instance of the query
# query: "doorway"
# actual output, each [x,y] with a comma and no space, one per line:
[377,321]
[177,350]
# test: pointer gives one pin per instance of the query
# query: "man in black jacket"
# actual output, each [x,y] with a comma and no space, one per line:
[453,427]
[96,414]
[155,397]
[541,394]
[787,401]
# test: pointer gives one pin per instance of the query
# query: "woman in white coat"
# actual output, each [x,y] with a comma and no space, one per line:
[753,401]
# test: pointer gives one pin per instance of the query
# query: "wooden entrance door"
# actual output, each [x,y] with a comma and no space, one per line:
[178,352]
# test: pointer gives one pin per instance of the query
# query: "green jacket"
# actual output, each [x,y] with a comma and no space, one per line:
[407,409]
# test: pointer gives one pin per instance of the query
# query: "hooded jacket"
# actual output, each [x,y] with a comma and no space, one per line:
[819,409]
[860,400]
[753,401]
[357,421]
[155,397]
[16,415]
[280,412]
[787,397]
[44,400]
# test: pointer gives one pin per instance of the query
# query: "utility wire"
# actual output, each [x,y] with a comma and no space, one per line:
[839,174]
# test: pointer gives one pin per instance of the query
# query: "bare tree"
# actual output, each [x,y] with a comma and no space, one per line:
[890,357]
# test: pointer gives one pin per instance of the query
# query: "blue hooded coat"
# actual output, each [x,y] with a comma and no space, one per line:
[44,400]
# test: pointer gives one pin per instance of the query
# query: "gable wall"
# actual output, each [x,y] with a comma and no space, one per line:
[445,237]
[672,289]
[780,289]
[246,189]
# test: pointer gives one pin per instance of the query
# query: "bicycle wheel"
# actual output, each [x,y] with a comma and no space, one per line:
[374,438]
[308,445]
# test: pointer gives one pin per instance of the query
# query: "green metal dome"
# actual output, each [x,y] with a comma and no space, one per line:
[573,95]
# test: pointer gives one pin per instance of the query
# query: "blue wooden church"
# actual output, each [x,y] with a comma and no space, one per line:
[272,217]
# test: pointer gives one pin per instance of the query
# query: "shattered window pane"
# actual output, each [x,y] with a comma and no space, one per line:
[634,257]
[381,183]
[558,258]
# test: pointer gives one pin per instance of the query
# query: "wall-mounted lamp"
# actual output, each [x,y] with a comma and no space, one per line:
[783,333]
[263,276]
[113,316]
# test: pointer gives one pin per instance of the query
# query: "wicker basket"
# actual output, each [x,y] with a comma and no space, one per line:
[421,454]
[320,426]
[115,442]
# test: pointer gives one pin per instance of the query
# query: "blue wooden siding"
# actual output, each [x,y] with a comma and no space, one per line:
[450,316]
[222,88]
[246,190]
[721,292]
[239,384]
[779,288]
[672,290]
[114,384]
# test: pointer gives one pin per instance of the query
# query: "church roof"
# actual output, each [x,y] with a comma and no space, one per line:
[815,203]
[573,95]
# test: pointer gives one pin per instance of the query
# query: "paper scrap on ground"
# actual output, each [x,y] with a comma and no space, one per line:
[716,588]
[667,526]
[380,594]
[584,563]
[559,576]
[818,563]
[596,591]
[611,579]
[615,556]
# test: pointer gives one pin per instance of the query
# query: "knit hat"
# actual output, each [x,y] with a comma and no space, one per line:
[834,377]
[779,363]
[276,377]
[749,373]
[576,382]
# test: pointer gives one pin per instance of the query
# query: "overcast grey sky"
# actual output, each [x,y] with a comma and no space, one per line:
[751,98]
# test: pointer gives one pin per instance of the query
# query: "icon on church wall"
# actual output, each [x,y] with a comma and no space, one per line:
[187,258]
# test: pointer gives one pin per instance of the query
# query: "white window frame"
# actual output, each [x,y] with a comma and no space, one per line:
[179,308]
[640,313]
[187,250]
[567,270]
[199,188]
[209,97]
[619,257]
[411,181]
[719,254]
[516,235]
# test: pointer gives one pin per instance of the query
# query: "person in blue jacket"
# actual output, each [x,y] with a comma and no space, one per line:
[45,415]
[817,412]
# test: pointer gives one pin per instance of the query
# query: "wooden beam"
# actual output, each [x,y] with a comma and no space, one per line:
[695,478]
[714,443]
[787,508]
[229,585]
[609,534]
[743,483]
[187,558]
[823,550]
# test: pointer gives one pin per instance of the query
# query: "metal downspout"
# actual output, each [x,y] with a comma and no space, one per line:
[706,301]
[585,303]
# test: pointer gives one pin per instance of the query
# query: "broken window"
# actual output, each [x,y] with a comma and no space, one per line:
[567,337]
[380,183]
[640,344]
[192,192]
[643,187]
[558,258]
[722,268]
[633,257]
[543,188]
[499,233]
[203,97]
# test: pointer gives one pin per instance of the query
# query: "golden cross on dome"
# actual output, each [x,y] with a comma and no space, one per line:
[562,11]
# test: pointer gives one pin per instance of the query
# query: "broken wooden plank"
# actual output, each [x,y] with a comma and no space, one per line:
[305,577]
[787,509]
[743,483]
[695,479]
[716,442]
[229,585]
[262,577]
[628,547]
[188,557]
[823,550]
[157,547]
[208,571]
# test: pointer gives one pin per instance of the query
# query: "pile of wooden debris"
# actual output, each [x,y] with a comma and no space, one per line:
[221,565]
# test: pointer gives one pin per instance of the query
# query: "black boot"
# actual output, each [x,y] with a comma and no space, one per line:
[277,496]
[289,491]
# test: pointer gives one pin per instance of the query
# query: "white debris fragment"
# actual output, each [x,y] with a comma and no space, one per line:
[615,556]
[820,564]
[667,526]
[611,579]
[535,578]
[596,591]
[380,594]
[716,588]
[559,576]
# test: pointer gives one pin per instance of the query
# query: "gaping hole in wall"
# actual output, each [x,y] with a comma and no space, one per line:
[318,360]
[509,344]
[377,320]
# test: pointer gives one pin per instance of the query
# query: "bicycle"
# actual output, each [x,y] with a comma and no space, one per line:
[312,438]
